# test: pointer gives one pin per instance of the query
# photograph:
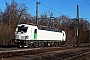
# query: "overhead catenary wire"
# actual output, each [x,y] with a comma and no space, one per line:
[87,2]
[56,10]
[63,6]
[33,4]
[49,8]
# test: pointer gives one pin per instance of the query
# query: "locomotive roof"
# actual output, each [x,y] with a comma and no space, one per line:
[49,29]
[45,28]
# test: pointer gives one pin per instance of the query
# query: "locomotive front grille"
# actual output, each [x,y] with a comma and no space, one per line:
[23,37]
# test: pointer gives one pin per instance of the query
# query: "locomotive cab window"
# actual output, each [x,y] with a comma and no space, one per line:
[22,29]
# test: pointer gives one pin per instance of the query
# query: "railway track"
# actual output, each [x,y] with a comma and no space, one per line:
[21,52]
[57,53]
[77,54]
[70,54]
[73,54]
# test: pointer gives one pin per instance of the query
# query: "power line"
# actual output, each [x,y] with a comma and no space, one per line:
[32,5]
[63,6]
[49,7]
[87,2]
[35,5]
[52,8]
[40,4]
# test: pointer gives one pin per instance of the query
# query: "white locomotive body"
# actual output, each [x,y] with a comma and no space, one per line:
[31,36]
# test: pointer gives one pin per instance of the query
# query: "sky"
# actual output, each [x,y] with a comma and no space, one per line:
[58,7]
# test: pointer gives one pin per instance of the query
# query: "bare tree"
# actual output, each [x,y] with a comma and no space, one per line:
[11,16]
[43,19]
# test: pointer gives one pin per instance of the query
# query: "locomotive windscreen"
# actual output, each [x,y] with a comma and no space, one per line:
[22,29]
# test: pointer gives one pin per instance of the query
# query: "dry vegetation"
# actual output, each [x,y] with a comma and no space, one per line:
[17,13]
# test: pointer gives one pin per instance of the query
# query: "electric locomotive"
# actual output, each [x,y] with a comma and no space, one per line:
[27,35]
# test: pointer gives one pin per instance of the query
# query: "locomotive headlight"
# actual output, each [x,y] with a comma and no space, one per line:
[26,37]
[16,40]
